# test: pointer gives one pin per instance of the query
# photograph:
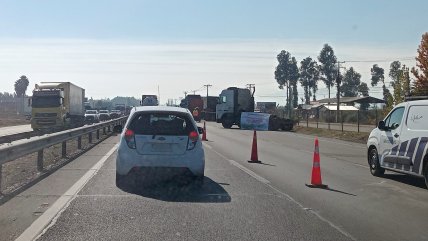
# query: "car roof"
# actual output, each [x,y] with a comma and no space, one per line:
[161,108]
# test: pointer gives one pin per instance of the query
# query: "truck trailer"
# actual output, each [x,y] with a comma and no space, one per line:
[57,106]
[195,104]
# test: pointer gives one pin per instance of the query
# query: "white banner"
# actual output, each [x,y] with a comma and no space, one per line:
[255,121]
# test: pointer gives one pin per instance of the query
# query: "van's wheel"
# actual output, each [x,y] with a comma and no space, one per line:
[375,168]
[426,171]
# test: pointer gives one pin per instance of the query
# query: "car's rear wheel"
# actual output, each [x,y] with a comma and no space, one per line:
[375,168]
[119,178]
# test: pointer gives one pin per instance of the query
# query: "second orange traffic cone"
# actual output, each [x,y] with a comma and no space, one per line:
[316,168]
[254,153]
[204,134]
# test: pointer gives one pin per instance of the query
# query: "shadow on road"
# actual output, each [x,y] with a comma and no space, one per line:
[264,163]
[406,179]
[178,189]
[325,187]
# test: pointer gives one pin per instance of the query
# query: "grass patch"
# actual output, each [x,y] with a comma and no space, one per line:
[352,136]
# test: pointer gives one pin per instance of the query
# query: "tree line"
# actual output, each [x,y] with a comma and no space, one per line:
[327,69]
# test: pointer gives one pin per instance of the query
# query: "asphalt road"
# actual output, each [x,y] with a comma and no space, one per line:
[10,130]
[238,201]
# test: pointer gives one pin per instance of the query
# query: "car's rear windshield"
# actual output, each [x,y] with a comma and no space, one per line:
[162,123]
[91,112]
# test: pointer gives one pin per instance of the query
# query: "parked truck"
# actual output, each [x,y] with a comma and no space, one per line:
[210,104]
[195,104]
[57,106]
[234,101]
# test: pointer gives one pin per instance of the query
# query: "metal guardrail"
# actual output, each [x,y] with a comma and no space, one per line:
[12,151]
[18,136]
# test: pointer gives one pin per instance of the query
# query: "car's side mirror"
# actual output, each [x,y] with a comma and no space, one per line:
[118,129]
[201,130]
[381,125]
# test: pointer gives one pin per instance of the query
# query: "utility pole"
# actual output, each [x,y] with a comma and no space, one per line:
[338,83]
[252,87]
[207,85]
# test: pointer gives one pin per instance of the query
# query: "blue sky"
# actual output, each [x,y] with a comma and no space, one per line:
[181,45]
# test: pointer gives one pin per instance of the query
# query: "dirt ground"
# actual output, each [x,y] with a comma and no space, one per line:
[21,171]
[11,119]
[345,136]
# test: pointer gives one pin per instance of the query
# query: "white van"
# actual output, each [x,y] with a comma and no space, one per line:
[399,143]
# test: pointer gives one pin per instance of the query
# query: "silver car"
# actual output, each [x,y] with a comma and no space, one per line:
[160,138]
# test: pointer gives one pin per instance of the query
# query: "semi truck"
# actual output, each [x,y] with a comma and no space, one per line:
[210,104]
[195,104]
[57,106]
[149,100]
[234,101]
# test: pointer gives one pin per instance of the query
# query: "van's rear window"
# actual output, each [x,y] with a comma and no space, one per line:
[161,123]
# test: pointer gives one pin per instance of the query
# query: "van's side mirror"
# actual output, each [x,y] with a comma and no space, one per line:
[381,125]
[201,130]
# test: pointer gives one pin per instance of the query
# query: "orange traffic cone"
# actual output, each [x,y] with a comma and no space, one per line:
[316,168]
[204,134]
[254,154]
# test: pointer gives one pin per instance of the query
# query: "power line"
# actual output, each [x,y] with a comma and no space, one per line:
[207,85]
[379,60]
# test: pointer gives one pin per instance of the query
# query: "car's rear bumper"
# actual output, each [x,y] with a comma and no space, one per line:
[128,159]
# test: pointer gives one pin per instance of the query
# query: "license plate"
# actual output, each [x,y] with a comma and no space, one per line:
[161,147]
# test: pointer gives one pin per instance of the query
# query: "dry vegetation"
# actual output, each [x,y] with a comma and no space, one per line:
[345,136]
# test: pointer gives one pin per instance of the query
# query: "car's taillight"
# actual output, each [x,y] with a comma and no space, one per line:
[193,139]
[130,138]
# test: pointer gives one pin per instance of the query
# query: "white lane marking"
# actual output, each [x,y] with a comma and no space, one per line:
[249,172]
[49,217]
[339,229]
[206,145]
[359,165]
[246,170]
[267,183]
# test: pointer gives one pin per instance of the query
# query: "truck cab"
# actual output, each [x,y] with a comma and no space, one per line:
[232,102]
[149,100]
[57,106]
[399,143]
[195,104]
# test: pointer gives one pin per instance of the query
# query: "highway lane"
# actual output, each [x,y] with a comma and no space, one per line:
[232,204]
[367,207]
[239,200]
[10,130]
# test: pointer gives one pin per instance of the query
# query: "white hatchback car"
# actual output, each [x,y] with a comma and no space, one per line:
[399,143]
[160,137]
